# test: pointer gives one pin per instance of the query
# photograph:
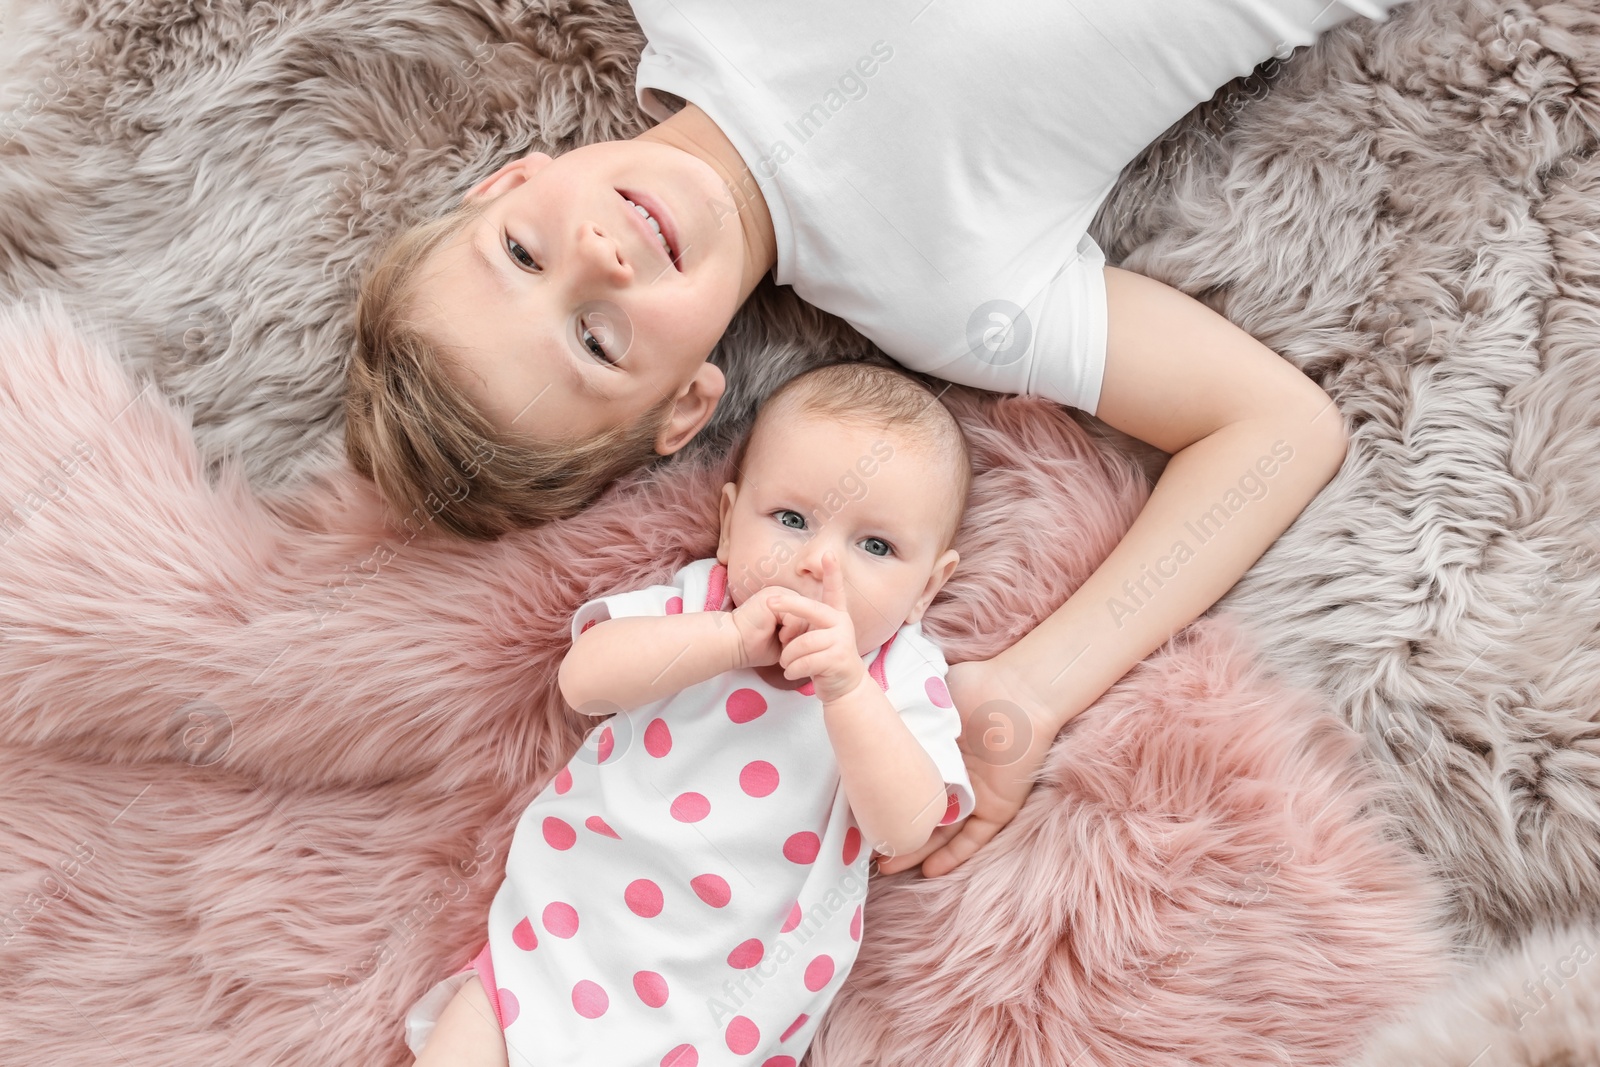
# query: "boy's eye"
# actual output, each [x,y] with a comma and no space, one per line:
[514,248]
[592,341]
[887,548]
[781,513]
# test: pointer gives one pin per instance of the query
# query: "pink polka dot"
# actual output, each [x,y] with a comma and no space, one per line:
[937,691]
[712,888]
[675,605]
[600,826]
[643,897]
[509,1008]
[523,937]
[793,920]
[801,847]
[747,954]
[651,987]
[951,810]
[800,1020]
[818,972]
[855,924]
[852,845]
[682,1056]
[560,919]
[745,704]
[778,1061]
[585,628]
[558,833]
[758,778]
[809,689]
[657,738]
[563,780]
[589,1000]
[742,1035]
[607,743]
[690,807]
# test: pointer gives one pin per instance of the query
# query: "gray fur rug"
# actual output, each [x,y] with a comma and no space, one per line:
[1408,211]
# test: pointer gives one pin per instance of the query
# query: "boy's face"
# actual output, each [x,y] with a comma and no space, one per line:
[559,269]
[880,505]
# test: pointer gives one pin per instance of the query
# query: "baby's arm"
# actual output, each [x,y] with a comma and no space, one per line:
[623,663]
[628,661]
[895,789]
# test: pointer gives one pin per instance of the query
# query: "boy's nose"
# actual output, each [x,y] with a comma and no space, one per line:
[600,256]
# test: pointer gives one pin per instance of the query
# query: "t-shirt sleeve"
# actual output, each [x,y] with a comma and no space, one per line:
[1070,367]
[1054,346]
[917,690]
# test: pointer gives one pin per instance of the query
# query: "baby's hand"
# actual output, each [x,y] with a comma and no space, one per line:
[826,652]
[757,623]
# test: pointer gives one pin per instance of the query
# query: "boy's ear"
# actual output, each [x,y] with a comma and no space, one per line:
[724,506]
[943,567]
[693,407]
[507,177]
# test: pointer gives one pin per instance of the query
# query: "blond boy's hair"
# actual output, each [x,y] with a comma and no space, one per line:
[874,395]
[433,455]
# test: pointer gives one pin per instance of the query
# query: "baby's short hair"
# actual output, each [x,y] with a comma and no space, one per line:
[433,455]
[874,395]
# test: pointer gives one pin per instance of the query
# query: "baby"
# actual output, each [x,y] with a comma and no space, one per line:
[688,890]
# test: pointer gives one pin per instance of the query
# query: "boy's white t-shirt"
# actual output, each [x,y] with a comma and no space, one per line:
[932,166]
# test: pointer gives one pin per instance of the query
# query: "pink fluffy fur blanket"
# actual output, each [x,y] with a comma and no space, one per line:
[262,761]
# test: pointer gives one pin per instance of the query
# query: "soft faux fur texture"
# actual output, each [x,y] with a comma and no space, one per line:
[260,788]
[1537,1003]
[1411,218]
[1406,211]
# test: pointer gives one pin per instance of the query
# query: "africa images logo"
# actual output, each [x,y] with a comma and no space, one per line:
[999,333]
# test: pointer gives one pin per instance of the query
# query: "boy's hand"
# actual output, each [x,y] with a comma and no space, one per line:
[826,651]
[1007,733]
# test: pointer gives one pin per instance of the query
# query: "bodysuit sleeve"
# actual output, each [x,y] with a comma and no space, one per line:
[666,599]
[915,672]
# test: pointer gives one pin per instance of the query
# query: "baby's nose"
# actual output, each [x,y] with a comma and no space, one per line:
[809,566]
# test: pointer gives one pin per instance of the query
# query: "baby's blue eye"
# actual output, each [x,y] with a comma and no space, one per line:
[784,511]
[886,547]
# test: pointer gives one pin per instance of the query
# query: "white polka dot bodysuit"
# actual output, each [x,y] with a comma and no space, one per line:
[688,890]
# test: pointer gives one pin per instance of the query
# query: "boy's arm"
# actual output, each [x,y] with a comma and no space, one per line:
[895,790]
[622,663]
[1252,441]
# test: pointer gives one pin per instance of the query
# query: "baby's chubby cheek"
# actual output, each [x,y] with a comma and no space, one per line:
[742,586]
[748,574]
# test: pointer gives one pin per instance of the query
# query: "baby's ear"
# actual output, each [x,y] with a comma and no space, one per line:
[943,568]
[724,508]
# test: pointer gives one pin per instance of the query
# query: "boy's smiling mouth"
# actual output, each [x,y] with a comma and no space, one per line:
[656,223]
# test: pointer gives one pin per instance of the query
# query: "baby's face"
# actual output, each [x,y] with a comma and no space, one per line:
[567,309]
[880,504]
